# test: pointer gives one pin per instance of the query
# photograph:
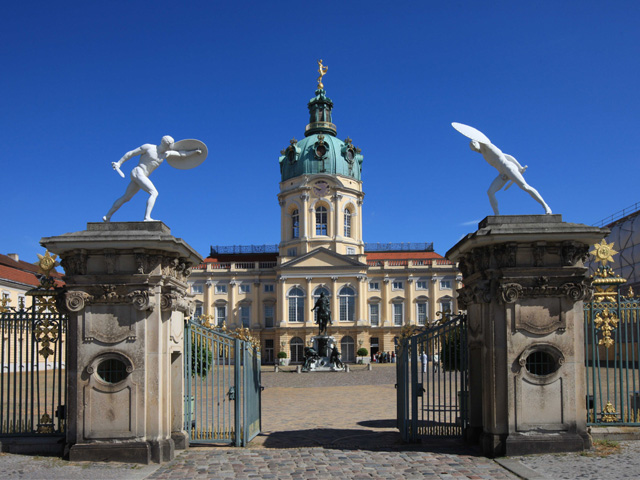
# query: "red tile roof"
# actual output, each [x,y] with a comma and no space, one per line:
[23,272]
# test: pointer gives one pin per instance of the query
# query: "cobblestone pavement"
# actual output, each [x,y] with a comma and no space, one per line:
[623,463]
[322,425]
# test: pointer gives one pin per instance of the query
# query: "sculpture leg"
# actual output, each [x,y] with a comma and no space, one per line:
[148,187]
[519,180]
[495,186]
[131,190]
[538,198]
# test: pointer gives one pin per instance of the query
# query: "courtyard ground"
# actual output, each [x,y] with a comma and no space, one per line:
[342,425]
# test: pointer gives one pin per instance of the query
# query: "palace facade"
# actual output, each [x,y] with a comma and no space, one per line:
[374,289]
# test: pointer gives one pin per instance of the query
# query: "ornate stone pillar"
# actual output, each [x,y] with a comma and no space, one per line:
[524,286]
[127,296]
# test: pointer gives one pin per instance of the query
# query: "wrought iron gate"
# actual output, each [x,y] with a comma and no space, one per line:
[612,351]
[432,389]
[222,386]
[33,356]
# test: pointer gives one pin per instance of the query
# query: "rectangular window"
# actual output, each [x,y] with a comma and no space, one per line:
[422,285]
[374,286]
[422,313]
[221,288]
[198,312]
[397,314]
[397,285]
[245,316]
[269,316]
[221,316]
[245,288]
[196,288]
[347,309]
[268,288]
[351,251]
[445,284]
[445,306]
[374,314]
[292,252]
[321,221]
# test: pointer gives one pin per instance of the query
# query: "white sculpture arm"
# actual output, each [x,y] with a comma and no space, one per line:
[513,160]
[183,153]
[128,156]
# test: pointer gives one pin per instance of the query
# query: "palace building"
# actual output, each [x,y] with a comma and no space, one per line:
[374,289]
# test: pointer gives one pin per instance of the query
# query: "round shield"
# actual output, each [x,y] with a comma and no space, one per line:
[192,161]
[471,132]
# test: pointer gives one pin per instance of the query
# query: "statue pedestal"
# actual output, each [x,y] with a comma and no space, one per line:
[127,295]
[524,286]
[323,344]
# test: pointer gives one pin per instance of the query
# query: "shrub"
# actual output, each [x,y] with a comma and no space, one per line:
[282,354]
[362,352]
[451,352]
[201,358]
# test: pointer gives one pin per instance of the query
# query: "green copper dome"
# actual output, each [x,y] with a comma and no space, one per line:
[320,151]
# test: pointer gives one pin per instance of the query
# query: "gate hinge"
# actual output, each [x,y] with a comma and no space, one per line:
[232,393]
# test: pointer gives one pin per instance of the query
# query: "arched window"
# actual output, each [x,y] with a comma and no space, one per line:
[347,349]
[347,304]
[321,220]
[297,350]
[296,305]
[316,296]
[347,223]
[295,224]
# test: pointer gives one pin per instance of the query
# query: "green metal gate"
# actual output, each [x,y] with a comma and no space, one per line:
[222,387]
[432,390]
[612,351]
[33,356]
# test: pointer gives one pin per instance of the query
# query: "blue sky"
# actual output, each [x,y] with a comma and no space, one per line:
[553,83]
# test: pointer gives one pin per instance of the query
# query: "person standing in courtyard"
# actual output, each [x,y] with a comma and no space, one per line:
[424,359]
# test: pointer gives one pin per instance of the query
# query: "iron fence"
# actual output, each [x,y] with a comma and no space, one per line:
[33,356]
[612,352]
[222,387]
[432,389]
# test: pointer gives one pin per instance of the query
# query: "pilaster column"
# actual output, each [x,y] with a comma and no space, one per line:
[361,301]
[385,308]
[308,303]
[282,318]
[256,305]
[410,313]
[208,298]
[232,317]
[335,305]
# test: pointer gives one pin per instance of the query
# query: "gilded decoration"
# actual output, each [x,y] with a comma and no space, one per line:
[606,322]
[46,333]
[47,263]
[322,70]
[603,252]
[3,304]
[609,414]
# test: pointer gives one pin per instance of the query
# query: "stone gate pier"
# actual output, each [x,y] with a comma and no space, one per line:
[524,286]
[127,296]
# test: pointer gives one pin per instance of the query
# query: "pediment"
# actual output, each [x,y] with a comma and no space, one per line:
[322,258]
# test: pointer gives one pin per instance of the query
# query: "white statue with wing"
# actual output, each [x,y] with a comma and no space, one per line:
[508,167]
[183,155]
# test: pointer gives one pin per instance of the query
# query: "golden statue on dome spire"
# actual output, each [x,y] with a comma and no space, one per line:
[323,71]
